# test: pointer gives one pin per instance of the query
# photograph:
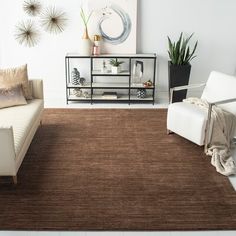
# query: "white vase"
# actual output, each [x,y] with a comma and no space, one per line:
[86,44]
[115,69]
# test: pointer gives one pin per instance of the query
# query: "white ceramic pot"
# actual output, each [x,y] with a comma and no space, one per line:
[85,47]
[85,44]
[115,69]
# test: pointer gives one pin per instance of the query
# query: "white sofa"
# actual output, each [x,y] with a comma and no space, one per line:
[18,125]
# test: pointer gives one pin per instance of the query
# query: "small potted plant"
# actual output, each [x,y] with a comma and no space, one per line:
[115,66]
[179,65]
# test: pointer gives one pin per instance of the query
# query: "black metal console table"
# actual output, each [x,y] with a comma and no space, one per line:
[98,81]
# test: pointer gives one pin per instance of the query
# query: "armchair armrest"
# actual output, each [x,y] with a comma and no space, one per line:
[190,86]
[179,88]
[224,101]
[7,152]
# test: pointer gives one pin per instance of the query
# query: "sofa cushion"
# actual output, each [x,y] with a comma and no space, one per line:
[12,96]
[13,76]
[21,118]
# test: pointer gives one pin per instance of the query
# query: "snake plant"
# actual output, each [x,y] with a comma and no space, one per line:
[179,52]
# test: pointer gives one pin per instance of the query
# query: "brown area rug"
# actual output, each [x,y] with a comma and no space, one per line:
[115,170]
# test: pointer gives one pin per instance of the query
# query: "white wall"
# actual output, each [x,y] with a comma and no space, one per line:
[211,20]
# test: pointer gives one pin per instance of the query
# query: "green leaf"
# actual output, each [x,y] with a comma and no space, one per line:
[170,46]
[194,49]
[178,46]
[185,61]
[115,62]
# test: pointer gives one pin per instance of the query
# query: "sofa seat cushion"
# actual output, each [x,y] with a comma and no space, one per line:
[187,120]
[21,118]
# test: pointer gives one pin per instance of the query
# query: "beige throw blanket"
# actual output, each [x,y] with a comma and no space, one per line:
[220,140]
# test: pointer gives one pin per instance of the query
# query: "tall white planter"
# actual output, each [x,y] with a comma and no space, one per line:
[85,44]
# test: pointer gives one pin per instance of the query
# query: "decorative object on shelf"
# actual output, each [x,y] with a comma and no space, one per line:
[115,66]
[86,42]
[141,93]
[76,79]
[179,65]
[75,74]
[53,20]
[104,67]
[116,22]
[82,81]
[77,92]
[86,94]
[96,45]
[148,83]
[137,72]
[110,95]
[27,34]
[32,7]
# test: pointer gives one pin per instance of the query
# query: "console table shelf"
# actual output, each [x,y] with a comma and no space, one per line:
[97,82]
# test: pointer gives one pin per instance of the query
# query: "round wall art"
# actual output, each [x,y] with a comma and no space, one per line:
[108,13]
[116,22]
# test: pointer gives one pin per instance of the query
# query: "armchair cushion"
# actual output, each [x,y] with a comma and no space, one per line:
[187,120]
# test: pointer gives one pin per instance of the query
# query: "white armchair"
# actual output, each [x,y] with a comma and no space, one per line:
[193,123]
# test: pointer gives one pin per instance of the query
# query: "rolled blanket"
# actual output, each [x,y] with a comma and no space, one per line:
[220,140]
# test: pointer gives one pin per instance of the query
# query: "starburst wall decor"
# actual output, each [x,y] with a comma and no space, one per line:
[27,33]
[32,7]
[53,20]
[50,19]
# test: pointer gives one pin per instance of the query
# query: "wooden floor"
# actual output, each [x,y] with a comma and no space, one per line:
[173,233]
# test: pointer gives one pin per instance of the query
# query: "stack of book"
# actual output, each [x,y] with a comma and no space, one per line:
[109,95]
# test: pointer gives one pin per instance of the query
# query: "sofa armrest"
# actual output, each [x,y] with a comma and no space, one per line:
[7,152]
[37,88]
